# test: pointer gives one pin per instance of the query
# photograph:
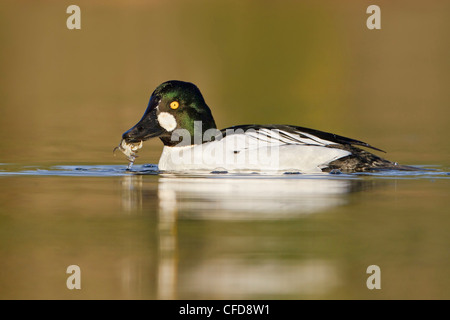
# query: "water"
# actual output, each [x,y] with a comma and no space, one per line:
[143,235]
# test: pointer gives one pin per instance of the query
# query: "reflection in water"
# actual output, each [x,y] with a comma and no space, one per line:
[167,264]
[131,193]
[239,198]
[247,198]
[264,277]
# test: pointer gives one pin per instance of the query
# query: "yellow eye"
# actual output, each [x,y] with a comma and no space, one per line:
[174,105]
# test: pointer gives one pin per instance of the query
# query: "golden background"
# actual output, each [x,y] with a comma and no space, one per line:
[68,95]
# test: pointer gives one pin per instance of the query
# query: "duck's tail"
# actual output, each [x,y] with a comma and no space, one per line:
[363,161]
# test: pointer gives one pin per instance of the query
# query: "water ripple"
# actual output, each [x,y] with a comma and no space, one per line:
[434,172]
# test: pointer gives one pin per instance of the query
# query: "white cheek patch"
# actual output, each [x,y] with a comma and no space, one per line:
[167,121]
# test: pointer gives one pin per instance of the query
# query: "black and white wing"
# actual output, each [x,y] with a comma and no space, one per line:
[286,134]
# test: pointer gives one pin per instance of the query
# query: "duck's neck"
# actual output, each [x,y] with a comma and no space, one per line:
[194,133]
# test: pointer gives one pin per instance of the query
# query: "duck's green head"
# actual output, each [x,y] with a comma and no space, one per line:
[173,105]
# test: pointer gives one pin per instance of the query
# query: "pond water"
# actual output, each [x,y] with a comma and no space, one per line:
[141,234]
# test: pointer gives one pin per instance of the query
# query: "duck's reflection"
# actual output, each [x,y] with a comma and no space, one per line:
[237,199]
[246,198]
[168,250]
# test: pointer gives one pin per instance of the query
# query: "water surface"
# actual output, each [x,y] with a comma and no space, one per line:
[145,235]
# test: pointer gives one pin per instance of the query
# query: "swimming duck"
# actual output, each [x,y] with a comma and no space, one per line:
[178,114]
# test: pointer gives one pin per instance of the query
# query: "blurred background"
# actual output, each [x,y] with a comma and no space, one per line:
[66,97]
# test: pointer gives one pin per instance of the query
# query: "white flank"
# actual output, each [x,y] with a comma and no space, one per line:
[243,152]
[167,121]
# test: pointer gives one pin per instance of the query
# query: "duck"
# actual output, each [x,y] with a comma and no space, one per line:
[178,115]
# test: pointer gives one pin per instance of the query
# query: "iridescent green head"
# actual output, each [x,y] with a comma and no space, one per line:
[173,105]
